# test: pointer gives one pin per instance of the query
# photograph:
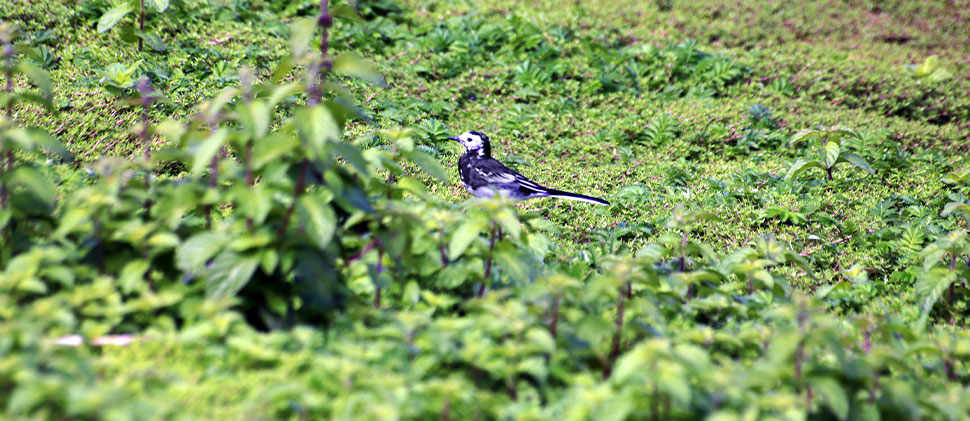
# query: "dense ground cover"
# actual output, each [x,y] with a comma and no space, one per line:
[284,260]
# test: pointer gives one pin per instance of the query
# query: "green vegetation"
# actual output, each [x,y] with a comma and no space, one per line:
[265,200]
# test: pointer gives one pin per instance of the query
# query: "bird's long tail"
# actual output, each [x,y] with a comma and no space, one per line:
[574,196]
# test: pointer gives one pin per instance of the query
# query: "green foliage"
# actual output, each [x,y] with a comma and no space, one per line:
[291,247]
[135,30]
[833,151]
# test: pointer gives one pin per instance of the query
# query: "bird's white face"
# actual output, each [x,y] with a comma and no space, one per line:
[473,141]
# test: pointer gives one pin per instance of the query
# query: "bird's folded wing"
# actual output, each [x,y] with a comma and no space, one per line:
[495,177]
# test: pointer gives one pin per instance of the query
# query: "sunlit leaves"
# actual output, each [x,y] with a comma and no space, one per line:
[353,65]
[113,16]
[833,152]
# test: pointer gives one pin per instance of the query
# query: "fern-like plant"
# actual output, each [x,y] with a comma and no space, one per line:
[957,179]
[943,269]
[662,129]
[833,151]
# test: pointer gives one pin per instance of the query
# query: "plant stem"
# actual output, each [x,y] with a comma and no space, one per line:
[298,190]
[488,262]
[380,268]
[141,22]
[555,315]
[213,178]
[250,181]
[441,247]
[618,333]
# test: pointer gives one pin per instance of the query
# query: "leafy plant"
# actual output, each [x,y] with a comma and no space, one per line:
[662,129]
[930,70]
[944,268]
[129,32]
[833,152]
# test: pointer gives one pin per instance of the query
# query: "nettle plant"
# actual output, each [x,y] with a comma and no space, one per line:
[134,31]
[960,181]
[834,151]
[946,267]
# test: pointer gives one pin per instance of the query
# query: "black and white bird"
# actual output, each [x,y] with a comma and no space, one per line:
[483,176]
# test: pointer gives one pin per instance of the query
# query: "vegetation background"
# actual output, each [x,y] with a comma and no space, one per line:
[261,194]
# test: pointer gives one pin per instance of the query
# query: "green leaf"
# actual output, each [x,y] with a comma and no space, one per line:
[345,11]
[509,223]
[203,152]
[800,166]
[229,273]
[832,394]
[256,116]
[832,152]
[467,232]
[930,286]
[429,164]
[158,5]
[804,134]
[37,76]
[271,147]
[353,156]
[353,65]
[36,184]
[321,222]
[952,207]
[193,254]
[301,33]
[316,127]
[132,275]
[856,160]
[154,42]
[111,17]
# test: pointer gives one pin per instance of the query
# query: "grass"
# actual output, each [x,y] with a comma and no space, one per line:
[563,109]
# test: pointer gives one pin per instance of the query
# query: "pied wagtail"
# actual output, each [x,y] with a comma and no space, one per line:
[483,176]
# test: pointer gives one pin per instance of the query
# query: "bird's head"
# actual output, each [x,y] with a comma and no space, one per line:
[475,142]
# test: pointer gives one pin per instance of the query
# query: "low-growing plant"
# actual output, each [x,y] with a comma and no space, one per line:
[833,150]
[945,267]
[132,32]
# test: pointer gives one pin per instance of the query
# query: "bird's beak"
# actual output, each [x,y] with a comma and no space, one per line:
[455,139]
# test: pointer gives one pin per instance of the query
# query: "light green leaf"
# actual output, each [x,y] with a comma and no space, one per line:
[271,147]
[429,164]
[509,223]
[36,184]
[800,166]
[193,254]
[229,273]
[856,160]
[132,275]
[255,116]
[37,76]
[353,156]
[321,222]
[952,207]
[159,5]
[353,65]
[317,127]
[467,232]
[930,287]
[824,291]
[832,394]
[804,134]
[203,152]
[832,151]
[111,17]
[301,33]
[512,263]
[345,11]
